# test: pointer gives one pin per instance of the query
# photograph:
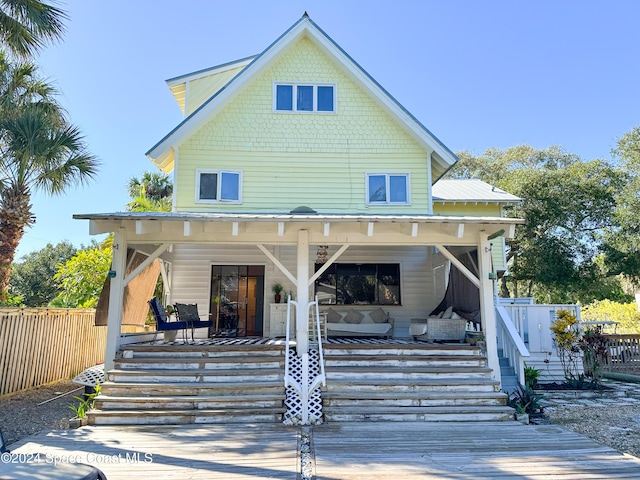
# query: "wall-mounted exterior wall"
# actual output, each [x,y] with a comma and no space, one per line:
[422,274]
[292,159]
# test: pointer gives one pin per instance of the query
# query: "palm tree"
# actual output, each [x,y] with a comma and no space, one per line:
[39,151]
[152,192]
[27,25]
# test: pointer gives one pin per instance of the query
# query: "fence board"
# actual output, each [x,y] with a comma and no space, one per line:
[623,355]
[40,345]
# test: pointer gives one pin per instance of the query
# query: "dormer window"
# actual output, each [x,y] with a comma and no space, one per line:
[218,186]
[294,97]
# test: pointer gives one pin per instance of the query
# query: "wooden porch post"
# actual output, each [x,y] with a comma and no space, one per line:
[116,295]
[302,294]
[487,307]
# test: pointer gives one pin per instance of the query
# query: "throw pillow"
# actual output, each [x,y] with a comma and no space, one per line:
[379,316]
[455,316]
[333,316]
[353,317]
[448,312]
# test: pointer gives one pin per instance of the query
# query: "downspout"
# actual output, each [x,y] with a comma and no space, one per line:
[429,183]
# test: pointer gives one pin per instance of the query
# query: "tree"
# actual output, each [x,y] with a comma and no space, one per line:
[567,206]
[622,242]
[32,278]
[82,277]
[28,25]
[151,193]
[39,150]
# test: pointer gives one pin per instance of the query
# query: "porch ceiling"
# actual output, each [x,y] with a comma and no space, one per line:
[154,227]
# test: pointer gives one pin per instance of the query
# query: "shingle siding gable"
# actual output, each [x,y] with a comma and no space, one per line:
[284,155]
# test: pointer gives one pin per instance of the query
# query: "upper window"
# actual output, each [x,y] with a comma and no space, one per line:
[213,186]
[388,189]
[293,97]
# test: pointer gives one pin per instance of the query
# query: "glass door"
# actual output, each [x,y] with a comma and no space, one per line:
[237,300]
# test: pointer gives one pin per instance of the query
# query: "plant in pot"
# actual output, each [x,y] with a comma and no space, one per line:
[277,290]
[85,403]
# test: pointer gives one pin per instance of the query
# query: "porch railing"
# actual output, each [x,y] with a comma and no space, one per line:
[511,342]
[305,386]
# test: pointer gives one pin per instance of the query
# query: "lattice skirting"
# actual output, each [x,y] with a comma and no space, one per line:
[293,403]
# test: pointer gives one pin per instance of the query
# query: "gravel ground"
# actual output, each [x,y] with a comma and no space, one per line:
[617,426]
[21,416]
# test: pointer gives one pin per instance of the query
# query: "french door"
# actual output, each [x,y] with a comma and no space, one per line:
[237,300]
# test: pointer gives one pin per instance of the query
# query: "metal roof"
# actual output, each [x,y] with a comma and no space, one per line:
[470,190]
[289,217]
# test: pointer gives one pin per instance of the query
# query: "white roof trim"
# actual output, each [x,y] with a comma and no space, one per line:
[308,28]
[188,77]
[293,217]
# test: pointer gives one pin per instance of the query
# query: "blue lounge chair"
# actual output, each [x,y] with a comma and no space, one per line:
[187,318]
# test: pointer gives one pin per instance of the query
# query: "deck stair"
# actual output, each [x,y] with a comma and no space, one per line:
[412,382]
[181,384]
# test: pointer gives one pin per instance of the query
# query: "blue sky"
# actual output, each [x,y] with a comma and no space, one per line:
[478,74]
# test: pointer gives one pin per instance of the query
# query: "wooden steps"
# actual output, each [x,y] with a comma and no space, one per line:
[427,383]
[184,384]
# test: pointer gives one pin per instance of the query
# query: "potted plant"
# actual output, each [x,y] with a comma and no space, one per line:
[85,403]
[277,290]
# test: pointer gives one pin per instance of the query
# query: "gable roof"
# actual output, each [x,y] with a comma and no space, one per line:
[162,154]
[470,191]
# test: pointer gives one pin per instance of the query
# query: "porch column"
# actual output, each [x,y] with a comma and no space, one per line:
[116,295]
[302,294]
[487,307]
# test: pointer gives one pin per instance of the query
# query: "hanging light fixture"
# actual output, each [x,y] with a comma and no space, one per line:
[321,256]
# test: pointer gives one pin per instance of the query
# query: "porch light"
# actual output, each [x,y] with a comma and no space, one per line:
[321,255]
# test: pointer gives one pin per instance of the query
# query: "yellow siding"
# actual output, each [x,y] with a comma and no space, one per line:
[318,160]
[202,89]
[469,209]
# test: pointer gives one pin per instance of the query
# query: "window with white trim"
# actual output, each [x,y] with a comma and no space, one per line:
[294,97]
[218,186]
[388,189]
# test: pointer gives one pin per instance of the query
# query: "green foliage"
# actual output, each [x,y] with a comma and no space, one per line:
[525,400]
[565,336]
[26,26]
[33,277]
[626,314]
[567,206]
[531,376]
[85,403]
[82,278]
[151,193]
[11,301]
[594,346]
[589,345]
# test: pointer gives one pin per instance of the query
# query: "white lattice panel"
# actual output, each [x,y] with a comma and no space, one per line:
[293,415]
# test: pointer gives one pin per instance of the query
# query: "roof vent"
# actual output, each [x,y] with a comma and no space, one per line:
[302,210]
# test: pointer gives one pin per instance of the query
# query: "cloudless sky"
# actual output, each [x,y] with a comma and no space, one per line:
[478,74]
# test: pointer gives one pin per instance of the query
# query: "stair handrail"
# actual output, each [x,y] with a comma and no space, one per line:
[289,381]
[320,378]
[513,345]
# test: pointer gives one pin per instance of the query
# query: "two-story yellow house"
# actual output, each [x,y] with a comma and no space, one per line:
[295,167]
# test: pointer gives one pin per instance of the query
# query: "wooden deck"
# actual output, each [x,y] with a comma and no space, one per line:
[342,451]
[500,450]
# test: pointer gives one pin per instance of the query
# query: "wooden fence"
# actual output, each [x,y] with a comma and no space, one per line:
[623,354]
[40,345]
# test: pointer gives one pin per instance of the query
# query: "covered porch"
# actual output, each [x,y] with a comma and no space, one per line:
[287,249]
